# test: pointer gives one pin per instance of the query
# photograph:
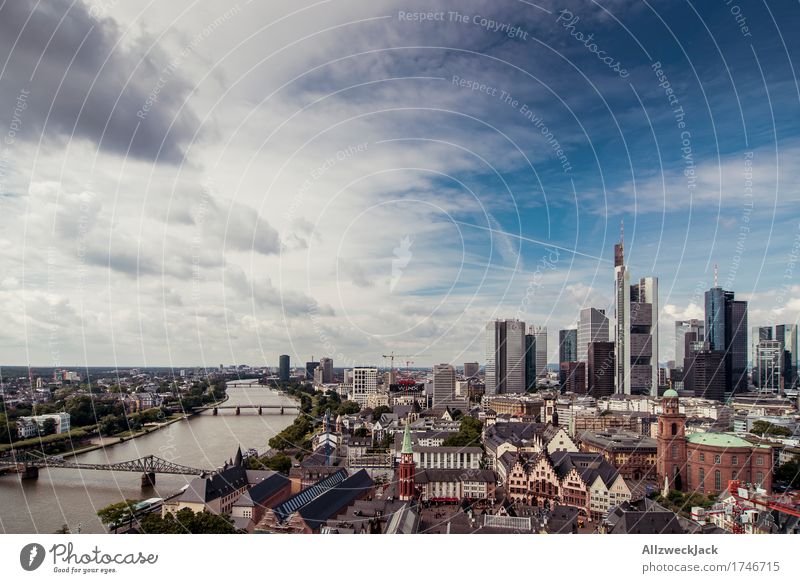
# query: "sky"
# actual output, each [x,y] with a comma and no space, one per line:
[191,183]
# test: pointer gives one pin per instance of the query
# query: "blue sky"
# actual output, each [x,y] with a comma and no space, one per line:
[209,185]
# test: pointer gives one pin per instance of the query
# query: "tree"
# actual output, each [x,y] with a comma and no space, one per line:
[187,521]
[48,427]
[348,408]
[116,513]
[108,425]
[361,432]
[280,462]
[789,473]
[469,434]
[380,410]
[767,428]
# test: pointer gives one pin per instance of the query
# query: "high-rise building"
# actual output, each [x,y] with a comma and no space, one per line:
[573,377]
[327,369]
[726,330]
[786,334]
[769,359]
[444,386]
[592,327]
[600,369]
[704,373]
[311,366]
[530,362]
[284,367]
[365,383]
[505,357]
[636,335]
[540,338]
[471,369]
[568,345]
[682,327]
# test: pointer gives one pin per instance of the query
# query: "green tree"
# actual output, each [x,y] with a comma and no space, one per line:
[116,513]
[767,428]
[279,462]
[108,425]
[48,427]
[469,434]
[380,410]
[789,473]
[348,408]
[187,522]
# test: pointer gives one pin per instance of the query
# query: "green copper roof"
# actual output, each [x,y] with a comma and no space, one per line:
[718,440]
[670,393]
[407,441]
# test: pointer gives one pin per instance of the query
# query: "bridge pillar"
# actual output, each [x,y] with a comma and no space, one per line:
[238,411]
[259,410]
[215,410]
[29,473]
[148,480]
[281,410]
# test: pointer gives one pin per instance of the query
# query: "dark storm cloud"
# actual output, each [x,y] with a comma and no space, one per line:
[80,83]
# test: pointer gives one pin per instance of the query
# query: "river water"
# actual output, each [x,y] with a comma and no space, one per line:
[72,497]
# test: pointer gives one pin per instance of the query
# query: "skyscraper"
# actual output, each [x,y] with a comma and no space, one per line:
[592,327]
[540,336]
[505,357]
[568,345]
[530,362]
[636,310]
[682,327]
[726,330]
[600,367]
[471,369]
[283,369]
[786,334]
[769,358]
[327,369]
[311,366]
[444,386]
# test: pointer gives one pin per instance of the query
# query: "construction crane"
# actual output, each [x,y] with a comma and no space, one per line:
[391,356]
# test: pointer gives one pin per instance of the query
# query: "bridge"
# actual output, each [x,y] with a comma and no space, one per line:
[27,464]
[239,408]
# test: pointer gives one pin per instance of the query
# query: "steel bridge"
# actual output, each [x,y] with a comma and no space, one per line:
[28,464]
[259,408]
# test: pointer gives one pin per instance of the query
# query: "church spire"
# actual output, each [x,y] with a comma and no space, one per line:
[407,441]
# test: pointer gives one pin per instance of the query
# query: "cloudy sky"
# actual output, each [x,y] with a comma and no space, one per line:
[187,183]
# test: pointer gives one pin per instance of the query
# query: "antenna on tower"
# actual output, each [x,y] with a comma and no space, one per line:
[622,230]
[715,275]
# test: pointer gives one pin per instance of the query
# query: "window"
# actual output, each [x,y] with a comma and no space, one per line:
[759,461]
[717,480]
[735,460]
[717,459]
[759,477]
[702,457]
[674,452]
[674,429]
[701,475]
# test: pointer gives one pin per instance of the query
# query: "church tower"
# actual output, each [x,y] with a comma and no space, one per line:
[671,465]
[406,469]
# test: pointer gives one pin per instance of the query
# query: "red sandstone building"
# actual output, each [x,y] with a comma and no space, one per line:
[706,462]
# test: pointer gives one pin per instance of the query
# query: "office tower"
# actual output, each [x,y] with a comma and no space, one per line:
[769,359]
[682,327]
[283,370]
[786,334]
[704,372]
[636,335]
[726,330]
[365,383]
[600,369]
[568,345]
[592,327]
[444,386]
[327,369]
[318,375]
[530,362]
[505,357]
[573,377]
[471,369]
[311,366]
[540,339]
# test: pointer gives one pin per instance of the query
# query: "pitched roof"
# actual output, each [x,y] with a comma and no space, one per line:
[263,490]
[303,497]
[334,499]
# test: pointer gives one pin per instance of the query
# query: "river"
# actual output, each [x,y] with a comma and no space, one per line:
[72,497]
